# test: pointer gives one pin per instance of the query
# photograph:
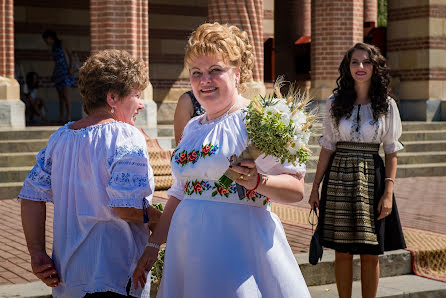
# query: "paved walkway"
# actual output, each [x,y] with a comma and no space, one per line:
[421,202]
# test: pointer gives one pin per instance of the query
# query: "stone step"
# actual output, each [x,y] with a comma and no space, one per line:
[35,289]
[422,125]
[392,263]
[10,190]
[165,130]
[38,132]
[403,286]
[31,145]
[14,174]
[17,159]
[423,135]
[167,143]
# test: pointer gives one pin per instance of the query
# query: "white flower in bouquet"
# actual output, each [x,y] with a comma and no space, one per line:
[277,126]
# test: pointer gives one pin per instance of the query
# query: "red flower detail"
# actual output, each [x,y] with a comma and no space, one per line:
[268,200]
[251,194]
[186,187]
[206,149]
[192,156]
[183,158]
[197,186]
[221,190]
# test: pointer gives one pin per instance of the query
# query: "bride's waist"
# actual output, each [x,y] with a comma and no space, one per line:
[212,190]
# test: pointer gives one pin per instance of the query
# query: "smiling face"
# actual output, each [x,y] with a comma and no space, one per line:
[361,68]
[213,83]
[127,107]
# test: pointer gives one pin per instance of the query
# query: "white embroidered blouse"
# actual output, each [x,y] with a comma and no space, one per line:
[361,127]
[84,173]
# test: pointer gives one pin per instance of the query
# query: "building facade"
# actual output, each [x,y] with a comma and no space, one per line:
[302,39]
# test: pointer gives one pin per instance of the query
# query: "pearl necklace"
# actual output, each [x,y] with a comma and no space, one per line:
[204,120]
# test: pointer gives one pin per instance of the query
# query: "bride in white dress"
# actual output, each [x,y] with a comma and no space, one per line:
[223,242]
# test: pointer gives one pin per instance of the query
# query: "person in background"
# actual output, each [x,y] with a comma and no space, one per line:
[187,108]
[62,73]
[97,174]
[358,212]
[34,103]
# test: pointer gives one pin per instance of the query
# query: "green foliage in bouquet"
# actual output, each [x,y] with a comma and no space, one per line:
[157,268]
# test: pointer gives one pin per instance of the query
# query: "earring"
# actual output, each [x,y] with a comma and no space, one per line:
[112,110]
[237,84]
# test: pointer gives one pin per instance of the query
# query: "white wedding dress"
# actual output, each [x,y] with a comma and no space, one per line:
[221,245]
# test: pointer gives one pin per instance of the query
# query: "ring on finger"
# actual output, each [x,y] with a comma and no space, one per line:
[242,177]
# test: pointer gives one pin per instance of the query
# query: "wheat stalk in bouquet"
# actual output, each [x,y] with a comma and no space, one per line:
[277,125]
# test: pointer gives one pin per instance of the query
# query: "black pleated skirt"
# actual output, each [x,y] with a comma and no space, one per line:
[352,187]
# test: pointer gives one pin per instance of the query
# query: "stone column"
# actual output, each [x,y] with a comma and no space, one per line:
[416,52]
[292,19]
[248,16]
[124,25]
[371,12]
[336,25]
[12,109]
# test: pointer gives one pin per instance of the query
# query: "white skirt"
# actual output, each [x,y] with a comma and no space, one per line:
[217,249]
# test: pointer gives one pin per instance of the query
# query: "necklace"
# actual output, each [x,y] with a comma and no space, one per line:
[204,120]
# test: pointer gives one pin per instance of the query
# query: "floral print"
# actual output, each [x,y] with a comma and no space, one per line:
[196,187]
[183,158]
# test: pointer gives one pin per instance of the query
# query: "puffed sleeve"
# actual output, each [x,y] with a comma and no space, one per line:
[328,139]
[131,176]
[271,165]
[177,189]
[392,129]
[37,185]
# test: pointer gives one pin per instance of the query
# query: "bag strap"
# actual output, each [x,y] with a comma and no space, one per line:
[311,218]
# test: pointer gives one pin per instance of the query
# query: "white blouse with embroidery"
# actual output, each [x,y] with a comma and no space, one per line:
[225,242]
[361,127]
[84,173]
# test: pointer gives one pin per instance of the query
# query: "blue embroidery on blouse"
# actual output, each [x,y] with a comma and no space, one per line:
[127,180]
[124,150]
[139,180]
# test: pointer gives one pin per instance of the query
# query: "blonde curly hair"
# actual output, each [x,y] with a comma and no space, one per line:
[110,70]
[228,41]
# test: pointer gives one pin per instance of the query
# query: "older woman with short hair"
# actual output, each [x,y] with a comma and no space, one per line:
[96,172]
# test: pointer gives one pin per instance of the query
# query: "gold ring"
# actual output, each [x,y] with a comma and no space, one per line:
[242,177]
[249,175]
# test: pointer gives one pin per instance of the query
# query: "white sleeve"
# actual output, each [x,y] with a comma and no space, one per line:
[328,139]
[177,189]
[392,129]
[37,185]
[271,165]
[131,176]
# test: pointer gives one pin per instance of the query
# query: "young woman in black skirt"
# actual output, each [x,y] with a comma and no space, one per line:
[358,212]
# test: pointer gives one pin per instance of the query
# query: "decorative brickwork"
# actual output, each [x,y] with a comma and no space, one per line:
[247,15]
[7,38]
[335,27]
[407,13]
[420,74]
[404,44]
[120,24]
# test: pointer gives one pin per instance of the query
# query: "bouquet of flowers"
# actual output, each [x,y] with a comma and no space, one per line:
[278,126]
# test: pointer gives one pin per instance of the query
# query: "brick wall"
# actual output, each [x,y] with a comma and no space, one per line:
[120,24]
[7,38]
[371,11]
[336,25]
[247,15]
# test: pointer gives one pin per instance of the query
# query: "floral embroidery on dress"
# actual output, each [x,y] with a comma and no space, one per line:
[183,158]
[124,150]
[355,131]
[253,195]
[377,124]
[222,191]
[40,177]
[267,201]
[196,187]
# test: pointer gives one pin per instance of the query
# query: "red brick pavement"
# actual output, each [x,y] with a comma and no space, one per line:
[421,202]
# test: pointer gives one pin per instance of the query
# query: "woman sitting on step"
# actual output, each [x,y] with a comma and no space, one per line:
[358,212]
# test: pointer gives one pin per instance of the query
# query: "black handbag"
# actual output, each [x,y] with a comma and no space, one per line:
[316,250]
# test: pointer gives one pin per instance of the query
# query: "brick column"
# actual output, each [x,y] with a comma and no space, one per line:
[12,109]
[371,11]
[248,16]
[292,20]
[416,51]
[124,25]
[336,25]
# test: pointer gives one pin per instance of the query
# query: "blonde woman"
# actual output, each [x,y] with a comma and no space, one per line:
[224,242]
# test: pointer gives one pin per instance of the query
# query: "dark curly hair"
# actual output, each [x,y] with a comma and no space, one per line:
[345,94]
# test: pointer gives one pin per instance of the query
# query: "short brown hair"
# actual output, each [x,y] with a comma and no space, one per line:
[110,70]
[228,41]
